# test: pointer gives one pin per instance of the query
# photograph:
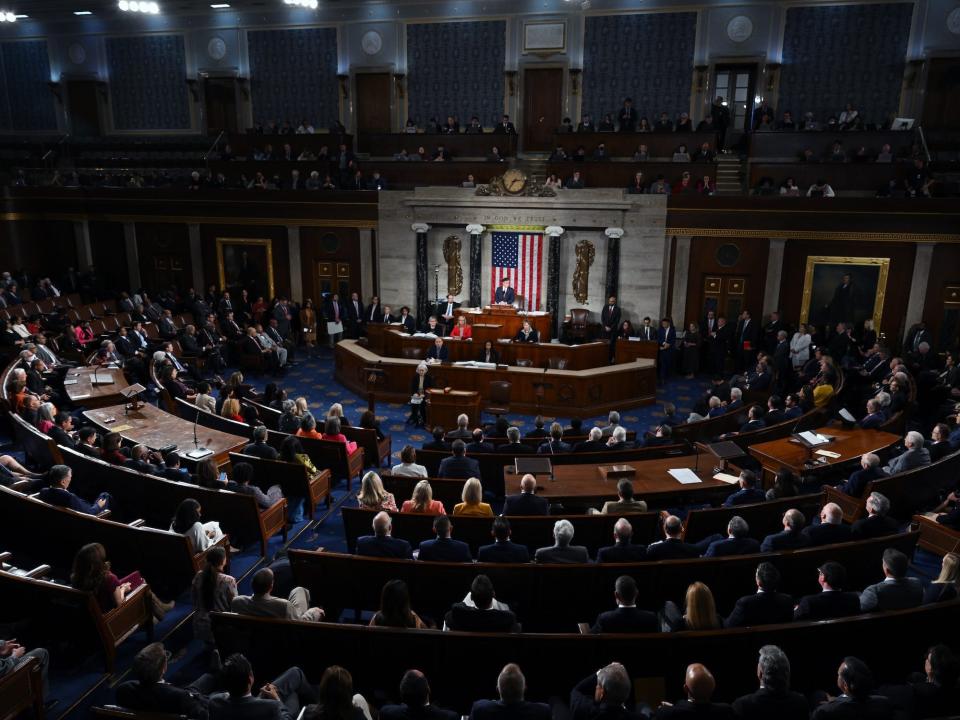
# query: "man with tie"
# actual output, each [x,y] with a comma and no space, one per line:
[285,347]
[667,342]
[252,346]
[387,316]
[627,117]
[166,327]
[746,341]
[354,316]
[647,331]
[610,319]
[408,321]
[333,313]
[505,294]
[505,127]
[373,313]
[445,312]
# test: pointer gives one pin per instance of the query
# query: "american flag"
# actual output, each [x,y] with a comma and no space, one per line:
[516,255]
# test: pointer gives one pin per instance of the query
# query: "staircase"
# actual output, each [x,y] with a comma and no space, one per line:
[731,173]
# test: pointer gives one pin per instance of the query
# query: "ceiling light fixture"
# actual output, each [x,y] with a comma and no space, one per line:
[82,12]
[149,8]
[311,4]
[7,17]
[220,6]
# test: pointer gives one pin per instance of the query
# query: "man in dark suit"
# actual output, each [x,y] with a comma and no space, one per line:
[373,313]
[748,492]
[280,699]
[562,551]
[87,442]
[443,548]
[515,447]
[478,443]
[480,612]
[647,331]
[439,441]
[775,414]
[259,448]
[445,311]
[527,502]
[874,417]
[604,695]
[771,333]
[610,320]
[791,537]
[505,127]
[408,321]
[505,294]
[593,443]
[877,523]
[538,432]
[511,686]
[782,364]
[462,432]
[773,699]
[140,460]
[415,701]
[855,701]
[503,549]
[381,544]
[623,550]
[627,618]
[354,315]
[896,591]
[172,469]
[627,117]
[60,432]
[746,341]
[149,691]
[458,465]
[166,327]
[438,351]
[737,542]
[555,445]
[831,601]
[698,686]
[754,421]
[672,547]
[830,530]
[859,479]
[719,344]
[766,606]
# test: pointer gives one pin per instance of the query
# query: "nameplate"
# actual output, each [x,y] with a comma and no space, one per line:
[616,472]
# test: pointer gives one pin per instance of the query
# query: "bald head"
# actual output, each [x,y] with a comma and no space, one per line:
[699,683]
[528,484]
[623,530]
[382,524]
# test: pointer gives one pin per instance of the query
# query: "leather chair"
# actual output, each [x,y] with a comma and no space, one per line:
[523,362]
[557,363]
[499,393]
[521,302]
[578,323]
[412,353]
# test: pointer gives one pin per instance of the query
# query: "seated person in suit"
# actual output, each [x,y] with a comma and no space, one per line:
[555,445]
[511,686]
[263,604]
[914,455]
[791,537]
[831,528]
[489,353]
[618,439]
[407,320]
[856,700]
[748,492]
[458,465]
[933,694]
[774,699]
[87,441]
[439,440]
[698,687]
[831,601]
[662,435]
[593,443]
[433,326]
[408,465]
[482,613]
[503,549]
[443,548]
[876,523]
[526,502]
[259,448]
[896,591]
[859,479]
[562,551]
[623,550]
[604,694]
[538,432]
[58,493]
[472,500]
[754,421]
[625,502]
[948,512]
[150,692]
[766,606]
[874,417]
[381,544]
[142,460]
[672,547]
[737,542]
[462,432]
[527,334]
[438,351]
[478,443]
[515,446]
[716,407]
[281,698]
[939,445]
[505,294]
[415,701]
[422,501]
[627,618]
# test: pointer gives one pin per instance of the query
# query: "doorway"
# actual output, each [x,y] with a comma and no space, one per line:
[941,105]
[83,108]
[737,85]
[220,104]
[724,295]
[542,107]
[373,102]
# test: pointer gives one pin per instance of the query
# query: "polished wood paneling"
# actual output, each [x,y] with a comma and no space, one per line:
[542,106]
[243,144]
[944,271]
[373,95]
[462,145]
[941,105]
[335,245]
[164,254]
[659,145]
[751,266]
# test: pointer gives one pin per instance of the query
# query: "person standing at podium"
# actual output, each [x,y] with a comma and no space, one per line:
[505,294]
[527,334]
[418,388]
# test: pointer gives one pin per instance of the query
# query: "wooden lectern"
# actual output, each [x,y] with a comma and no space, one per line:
[446,404]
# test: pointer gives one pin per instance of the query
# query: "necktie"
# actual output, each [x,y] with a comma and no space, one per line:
[449,308]
[373,312]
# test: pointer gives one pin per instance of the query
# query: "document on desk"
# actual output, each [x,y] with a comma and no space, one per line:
[685,476]
[827,453]
[727,478]
[814,438]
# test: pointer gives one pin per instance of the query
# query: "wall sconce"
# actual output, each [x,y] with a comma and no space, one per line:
[701,76]
[344,86]
[398,79]
[772,69]
[193,86]
[57,90]
[575,81]
[511,76]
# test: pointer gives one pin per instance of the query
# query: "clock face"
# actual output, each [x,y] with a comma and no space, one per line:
[514,181]
[371,42]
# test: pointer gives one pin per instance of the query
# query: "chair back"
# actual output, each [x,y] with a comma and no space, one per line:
[499,392]
[557,363]
[579,317]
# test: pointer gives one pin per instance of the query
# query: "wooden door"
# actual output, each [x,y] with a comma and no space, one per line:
[373,102]
[220,104]
[542,107]
[724,294]
[83,108]
[941,105]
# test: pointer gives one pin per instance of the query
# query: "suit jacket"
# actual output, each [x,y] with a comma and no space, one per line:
[844,708]
[65,498]
[438,353]
[459,467]
[732,546]
[914,457]
[626,620]
[427,712]
[61,437]
[700,711]
[441,309]
[499,710]
[445,550]
[224,707]
[744,496]
[766,703]
[383,546]
[761,608]
[261,450]
[784,540]
[562,555]
[858,481]
[509,296]
[526,504]
[161,698]
[610,317]
[622,552]
[827,604]
[553,448]
[506,551]
[872,421]
[480,447]
[826,534]
[494,356]
[670,549]
[892,595]
[373,313]
[472,619]
[590,446]
[647,333]
[583,706]
[873,526]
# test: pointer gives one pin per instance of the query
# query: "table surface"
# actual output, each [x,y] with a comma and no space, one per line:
[850,443]
[155,428]
[84,392]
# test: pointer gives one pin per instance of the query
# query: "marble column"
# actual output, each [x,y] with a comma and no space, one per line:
[771,290]
[423,281]
[133,254]
[368,261]
[196,256]
[681,269]
[81,233]
[613,261]
[476,259]
[922,262]
[553,277]
[293,252]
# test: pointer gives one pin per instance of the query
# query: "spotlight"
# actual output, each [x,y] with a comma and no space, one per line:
[143,6]
[7,17]
[311,4]
[124,5]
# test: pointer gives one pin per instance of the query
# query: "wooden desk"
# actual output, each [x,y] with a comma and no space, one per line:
[155,428]
[509,319]
[789,453]
[86,393]
[582,484]
[630,350]
[446,406]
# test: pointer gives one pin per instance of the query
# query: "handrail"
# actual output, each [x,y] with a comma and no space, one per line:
[206,155]
[923,142]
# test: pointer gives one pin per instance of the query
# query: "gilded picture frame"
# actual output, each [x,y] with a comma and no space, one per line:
[822,284]
[241,263]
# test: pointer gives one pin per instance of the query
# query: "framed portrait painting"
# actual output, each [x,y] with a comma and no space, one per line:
[246,264]
[844,289]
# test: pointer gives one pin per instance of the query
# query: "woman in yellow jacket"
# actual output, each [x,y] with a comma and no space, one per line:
[473,504]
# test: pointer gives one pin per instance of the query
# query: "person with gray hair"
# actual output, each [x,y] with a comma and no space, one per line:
[623,550]
[773,699]
[831,528]
[511,687]
[791,537]
[603,694]
[381,544]
[613,422]
[737,542]
[859,479]
[562,551]
[259,448]
[462,432]
[877,523]
[896,591]
[618,439]
[514,445]
[593,443]
[914,455]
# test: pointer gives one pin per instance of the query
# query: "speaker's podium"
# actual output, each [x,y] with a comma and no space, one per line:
[446,405]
